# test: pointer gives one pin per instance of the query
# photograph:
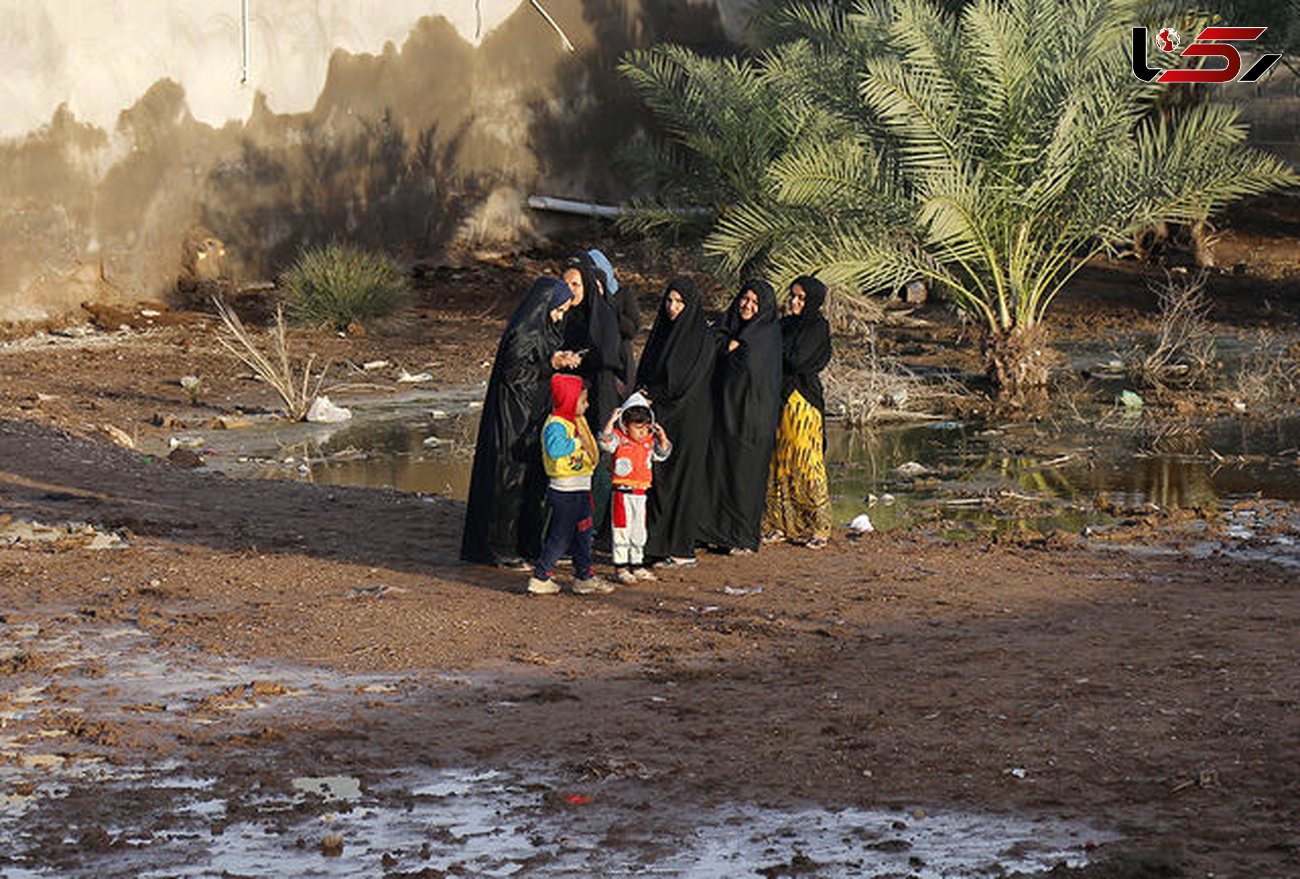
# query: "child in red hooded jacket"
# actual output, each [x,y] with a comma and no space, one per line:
[569,454]
[636,442]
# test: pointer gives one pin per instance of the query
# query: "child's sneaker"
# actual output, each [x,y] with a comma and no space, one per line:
[625,575]
[645,574]
[542,587]
[593,585]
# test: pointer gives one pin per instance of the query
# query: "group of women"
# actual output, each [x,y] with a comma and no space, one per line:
[741,400]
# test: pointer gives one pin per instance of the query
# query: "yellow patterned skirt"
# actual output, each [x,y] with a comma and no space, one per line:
[798,498]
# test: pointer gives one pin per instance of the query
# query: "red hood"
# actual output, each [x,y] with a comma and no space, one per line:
[565,391]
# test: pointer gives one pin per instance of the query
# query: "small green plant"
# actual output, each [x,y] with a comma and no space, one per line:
[338,285]
[194,388]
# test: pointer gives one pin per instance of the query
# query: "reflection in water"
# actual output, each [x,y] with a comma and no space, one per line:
[974,477]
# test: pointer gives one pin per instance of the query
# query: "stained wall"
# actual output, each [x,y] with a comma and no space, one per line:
[134,128]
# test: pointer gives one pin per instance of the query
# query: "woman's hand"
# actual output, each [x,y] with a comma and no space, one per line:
[732,346]
[564,360]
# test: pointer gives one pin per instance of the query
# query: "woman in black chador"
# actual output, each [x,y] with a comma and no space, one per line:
[746,405]
[507,489]
[591,330]
[674,373]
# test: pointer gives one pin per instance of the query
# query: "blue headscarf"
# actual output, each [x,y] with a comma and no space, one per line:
[557,292]
[607,269]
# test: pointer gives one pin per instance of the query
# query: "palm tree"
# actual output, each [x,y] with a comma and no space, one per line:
[992,152]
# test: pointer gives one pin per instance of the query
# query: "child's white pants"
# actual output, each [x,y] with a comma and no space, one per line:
[628,516]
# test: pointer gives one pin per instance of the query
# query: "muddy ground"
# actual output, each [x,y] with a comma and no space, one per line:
[1123,684]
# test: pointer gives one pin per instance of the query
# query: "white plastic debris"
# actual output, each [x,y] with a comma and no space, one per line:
[374,364]
[861,524]
[322,411]
[417,377]
[912,468]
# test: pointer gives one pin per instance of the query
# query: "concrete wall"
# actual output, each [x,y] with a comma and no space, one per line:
[133,132]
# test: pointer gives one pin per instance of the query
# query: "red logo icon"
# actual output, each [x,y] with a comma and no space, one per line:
[1204,45]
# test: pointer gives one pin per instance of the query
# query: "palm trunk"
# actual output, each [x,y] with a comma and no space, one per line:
[1018,363]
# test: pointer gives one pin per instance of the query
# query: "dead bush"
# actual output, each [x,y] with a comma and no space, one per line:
[1182,353]
[870,388]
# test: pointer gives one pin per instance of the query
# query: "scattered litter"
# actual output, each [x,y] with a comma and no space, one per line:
[945,425]
[185,442]
[476,404]
[374,364]
[117,435]
[150,312]
[103,540]
[378,591]
[437,413]
[577,799]
[1018,772]
[323,411]
[417,377]
[898,398]
[743,590]
[861,524]
[431,441]
[912,468]
[1131,400]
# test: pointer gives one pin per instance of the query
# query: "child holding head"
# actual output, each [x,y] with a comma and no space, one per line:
[636,442]
[569,455]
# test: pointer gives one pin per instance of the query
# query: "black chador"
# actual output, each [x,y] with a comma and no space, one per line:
[807,342]
[674,372]
[507,489]
[591,327]
[746,406]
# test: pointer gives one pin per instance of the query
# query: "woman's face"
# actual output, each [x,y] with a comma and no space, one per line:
[573,278]
[674,305]
[797,298]
[748,305]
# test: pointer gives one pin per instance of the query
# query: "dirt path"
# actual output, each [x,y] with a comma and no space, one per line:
[1148,694]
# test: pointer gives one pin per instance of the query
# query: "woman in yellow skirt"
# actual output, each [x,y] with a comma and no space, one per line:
[798,497]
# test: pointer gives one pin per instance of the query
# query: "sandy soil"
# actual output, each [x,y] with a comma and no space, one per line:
[1144,692]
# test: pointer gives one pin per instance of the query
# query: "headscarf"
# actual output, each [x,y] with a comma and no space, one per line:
[593,319]
[606,268]
[735,327]
[676,349]
[806,345]
[565,391]
[532,315]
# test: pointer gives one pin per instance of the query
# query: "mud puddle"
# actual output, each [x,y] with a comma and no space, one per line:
[1067,474]
[93,716]
[526,822]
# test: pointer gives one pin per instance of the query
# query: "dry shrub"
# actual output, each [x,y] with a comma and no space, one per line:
[1270,377]
[276,368]
[1182,354]
[871,388]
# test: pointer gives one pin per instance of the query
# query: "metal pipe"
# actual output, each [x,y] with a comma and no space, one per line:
[567,206]
[243,73]
[590,209]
